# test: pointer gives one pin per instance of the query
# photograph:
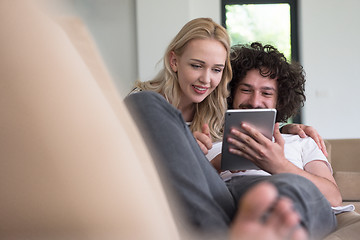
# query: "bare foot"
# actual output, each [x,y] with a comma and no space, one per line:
[264,216]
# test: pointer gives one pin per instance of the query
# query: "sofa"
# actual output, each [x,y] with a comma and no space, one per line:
[344,158]
[73,164]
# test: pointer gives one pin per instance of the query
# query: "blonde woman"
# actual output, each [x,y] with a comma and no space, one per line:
[195,77]
[196,74]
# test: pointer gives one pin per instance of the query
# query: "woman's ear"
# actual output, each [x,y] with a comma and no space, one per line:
[173,61]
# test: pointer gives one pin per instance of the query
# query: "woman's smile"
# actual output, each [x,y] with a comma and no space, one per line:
[200,89]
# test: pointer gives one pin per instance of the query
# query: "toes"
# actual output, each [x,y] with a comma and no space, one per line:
[285,220]
[263,215]
[258,200]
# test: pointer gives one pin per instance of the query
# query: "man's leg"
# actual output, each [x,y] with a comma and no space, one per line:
[315,211]
[205,199]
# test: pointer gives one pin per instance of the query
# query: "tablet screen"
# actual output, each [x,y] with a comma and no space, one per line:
[261,119]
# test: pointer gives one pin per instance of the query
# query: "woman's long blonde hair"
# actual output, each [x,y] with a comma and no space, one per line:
[212,109]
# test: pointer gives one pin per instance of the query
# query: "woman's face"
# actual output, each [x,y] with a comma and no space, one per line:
[199,69]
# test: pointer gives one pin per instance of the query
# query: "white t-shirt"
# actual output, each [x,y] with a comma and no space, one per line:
[299,151]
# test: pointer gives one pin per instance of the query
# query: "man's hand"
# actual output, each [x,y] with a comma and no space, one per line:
[253,145]
[304,131]
[203,138]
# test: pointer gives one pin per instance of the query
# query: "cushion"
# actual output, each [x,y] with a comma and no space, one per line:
[348,183]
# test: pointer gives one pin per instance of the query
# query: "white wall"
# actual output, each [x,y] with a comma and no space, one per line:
[132,37]
[112,25]
[329,41]
[158,21]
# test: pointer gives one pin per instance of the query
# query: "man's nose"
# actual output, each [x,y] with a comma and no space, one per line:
[255,100]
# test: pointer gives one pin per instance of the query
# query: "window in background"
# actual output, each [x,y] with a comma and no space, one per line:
[265,21]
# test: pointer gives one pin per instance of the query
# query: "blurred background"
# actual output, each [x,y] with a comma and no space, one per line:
[132,35]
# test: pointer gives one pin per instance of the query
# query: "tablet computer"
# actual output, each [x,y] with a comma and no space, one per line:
[261,119]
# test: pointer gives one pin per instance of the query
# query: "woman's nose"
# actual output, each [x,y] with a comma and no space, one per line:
[205,77]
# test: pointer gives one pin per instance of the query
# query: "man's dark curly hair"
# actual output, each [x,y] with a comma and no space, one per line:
[270,63]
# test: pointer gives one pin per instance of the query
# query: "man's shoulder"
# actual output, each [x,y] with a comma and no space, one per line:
[290,137]
[307,143]
[296,139]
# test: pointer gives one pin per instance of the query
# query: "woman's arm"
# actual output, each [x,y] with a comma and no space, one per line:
[303,131]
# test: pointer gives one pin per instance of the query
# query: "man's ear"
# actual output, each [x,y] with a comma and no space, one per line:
[173,61]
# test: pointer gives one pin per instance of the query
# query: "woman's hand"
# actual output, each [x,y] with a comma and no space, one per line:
[304,131]
[203,138]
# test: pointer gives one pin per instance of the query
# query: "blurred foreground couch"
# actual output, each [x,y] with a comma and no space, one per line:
[70,161]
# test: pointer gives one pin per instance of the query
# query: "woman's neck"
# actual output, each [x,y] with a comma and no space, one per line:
[187,111]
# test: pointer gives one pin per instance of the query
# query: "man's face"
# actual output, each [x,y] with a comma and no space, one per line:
[255,91]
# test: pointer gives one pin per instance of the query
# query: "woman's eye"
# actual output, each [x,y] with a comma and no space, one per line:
[196,66]
[218,70]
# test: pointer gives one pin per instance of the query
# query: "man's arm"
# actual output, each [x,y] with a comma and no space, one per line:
[216,162]
[270,157]
[318,173]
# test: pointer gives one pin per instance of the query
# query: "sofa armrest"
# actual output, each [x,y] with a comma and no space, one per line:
[71,168]
[348,183]
[345,154]
[344,157]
